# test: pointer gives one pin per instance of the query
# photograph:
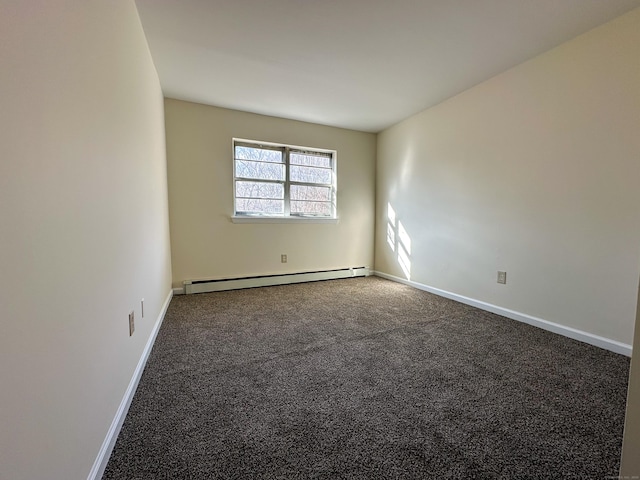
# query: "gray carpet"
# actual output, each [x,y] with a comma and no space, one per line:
[363,379]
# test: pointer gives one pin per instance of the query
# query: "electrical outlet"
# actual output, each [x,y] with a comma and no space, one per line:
[131,323]
[502,277]
[283,258]
[142,308]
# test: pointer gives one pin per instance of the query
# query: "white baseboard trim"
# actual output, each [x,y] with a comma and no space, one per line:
[596,340]
[178,291]
[112,435]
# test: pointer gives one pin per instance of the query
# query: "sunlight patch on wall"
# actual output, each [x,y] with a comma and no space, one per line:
[391,227]
[404,250]
[399,241]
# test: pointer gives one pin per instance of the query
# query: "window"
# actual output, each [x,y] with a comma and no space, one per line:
[283,181]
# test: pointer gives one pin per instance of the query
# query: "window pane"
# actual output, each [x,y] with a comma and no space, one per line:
[260,205]
[310,160]
[260,190]
[258,154]
[259,170]
[311,208]
[310,174]
[305,192]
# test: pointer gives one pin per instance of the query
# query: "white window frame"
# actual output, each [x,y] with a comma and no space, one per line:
[287,216]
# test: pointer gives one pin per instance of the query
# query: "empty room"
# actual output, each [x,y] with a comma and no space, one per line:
[311,239]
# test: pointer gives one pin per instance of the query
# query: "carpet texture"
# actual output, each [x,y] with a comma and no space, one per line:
[362,379]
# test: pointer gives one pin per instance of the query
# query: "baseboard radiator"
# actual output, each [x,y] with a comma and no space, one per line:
[203,286]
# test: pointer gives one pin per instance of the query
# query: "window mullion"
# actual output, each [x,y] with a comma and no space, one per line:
[259,180]
[287,183]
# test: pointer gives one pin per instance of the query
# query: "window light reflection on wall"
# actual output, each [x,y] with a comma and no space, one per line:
[399,241]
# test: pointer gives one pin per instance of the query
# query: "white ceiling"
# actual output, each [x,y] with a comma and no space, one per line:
[359,64]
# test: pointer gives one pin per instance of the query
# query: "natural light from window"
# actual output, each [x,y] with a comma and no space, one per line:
[404,250]
[399,241]
[391,227]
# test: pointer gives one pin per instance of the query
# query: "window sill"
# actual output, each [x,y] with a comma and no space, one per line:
[257,219]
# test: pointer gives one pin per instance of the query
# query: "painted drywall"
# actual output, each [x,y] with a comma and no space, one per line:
[84,230]
[533,172]
[630,463]
[206,244]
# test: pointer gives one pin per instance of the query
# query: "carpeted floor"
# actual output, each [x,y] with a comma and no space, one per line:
[364,379]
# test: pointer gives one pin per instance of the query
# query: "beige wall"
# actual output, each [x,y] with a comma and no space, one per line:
[84,226]
[534,172]
[206,244]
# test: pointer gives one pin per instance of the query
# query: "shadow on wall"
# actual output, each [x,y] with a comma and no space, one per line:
[399,241]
